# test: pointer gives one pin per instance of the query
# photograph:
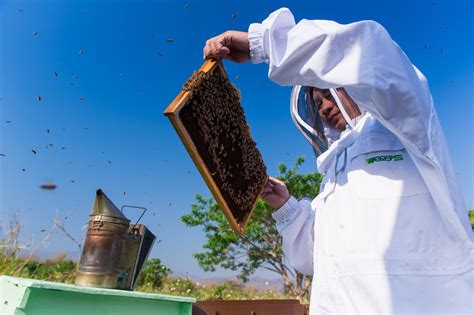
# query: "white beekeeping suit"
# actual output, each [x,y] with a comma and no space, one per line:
[389,232]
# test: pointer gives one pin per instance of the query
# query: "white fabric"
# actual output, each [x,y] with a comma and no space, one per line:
[392,236]
[332,134]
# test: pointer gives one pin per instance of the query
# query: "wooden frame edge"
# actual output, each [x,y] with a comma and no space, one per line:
[172,112]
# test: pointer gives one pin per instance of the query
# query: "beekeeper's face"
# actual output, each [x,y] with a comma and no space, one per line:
[327,109]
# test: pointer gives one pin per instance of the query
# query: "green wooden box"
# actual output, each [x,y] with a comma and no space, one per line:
[32,297]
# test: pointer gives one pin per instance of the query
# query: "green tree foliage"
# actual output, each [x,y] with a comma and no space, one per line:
[153,274]
[471,216]
[57,269]
[261,245]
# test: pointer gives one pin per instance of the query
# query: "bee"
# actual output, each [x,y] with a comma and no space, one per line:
[48,186]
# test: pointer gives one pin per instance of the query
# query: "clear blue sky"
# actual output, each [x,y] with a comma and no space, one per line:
[128,73]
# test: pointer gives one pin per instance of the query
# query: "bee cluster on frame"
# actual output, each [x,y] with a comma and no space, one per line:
[216,123]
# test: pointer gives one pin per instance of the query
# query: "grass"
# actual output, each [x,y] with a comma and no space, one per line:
[60,269]
[156,277]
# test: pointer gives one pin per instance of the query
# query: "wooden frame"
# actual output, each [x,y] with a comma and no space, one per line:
[172,112]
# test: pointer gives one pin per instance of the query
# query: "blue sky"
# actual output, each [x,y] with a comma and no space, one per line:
[115,55]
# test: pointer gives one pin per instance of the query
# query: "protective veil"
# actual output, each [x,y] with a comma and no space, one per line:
[306,118]
[389,231]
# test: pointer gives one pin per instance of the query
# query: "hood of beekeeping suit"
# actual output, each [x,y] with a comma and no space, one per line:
[104,206]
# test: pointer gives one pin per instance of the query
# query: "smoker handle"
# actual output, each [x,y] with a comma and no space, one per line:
[136,207]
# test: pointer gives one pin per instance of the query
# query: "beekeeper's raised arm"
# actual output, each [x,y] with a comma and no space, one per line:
[376,73]
[361,57]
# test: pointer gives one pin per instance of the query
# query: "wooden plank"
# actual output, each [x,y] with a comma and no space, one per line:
[260,307]
[172,112]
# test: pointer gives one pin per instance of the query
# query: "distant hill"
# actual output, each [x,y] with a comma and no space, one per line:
[256,283]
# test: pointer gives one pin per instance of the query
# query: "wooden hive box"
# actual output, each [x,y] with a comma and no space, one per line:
[211,123]
[250,307]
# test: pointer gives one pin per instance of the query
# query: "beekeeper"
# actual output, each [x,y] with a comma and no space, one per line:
[389,231]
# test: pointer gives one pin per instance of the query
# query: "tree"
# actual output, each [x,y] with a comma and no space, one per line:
[153,274]
[261,245]
[471,216]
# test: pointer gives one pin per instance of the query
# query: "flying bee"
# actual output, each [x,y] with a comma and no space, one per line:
[48,186]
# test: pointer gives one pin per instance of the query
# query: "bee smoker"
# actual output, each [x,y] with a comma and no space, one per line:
[114,250]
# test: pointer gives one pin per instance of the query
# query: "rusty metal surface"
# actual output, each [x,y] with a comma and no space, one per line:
[104,206]
[137,245]
[114,250]
[128,260]
[147,242]
[101,253]
[254,307]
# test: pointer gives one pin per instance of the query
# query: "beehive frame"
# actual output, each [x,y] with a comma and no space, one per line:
[172,112]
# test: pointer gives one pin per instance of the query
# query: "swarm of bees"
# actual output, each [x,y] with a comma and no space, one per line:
[216,123]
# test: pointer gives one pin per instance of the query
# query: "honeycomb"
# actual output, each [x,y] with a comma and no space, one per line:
[216,123]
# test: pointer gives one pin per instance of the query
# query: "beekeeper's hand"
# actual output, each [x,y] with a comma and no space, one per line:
[230,45]
[275,193]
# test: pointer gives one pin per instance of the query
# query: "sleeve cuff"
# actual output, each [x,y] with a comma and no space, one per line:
[257,52]
[286,210]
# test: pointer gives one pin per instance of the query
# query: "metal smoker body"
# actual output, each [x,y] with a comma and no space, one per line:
[114,250]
